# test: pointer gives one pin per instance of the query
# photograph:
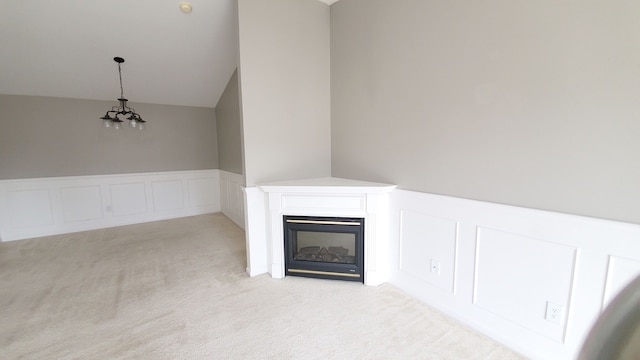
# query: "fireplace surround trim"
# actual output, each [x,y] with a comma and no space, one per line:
[330,197]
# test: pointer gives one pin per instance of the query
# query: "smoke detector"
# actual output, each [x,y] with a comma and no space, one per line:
[185,7]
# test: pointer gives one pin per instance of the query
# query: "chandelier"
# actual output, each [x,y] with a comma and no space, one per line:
[114,117]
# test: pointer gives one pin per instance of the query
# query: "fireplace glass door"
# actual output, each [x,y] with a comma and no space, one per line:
[324,247]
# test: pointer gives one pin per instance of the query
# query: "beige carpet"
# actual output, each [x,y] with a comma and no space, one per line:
[177,289]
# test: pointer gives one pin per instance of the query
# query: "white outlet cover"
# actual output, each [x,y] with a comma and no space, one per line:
[554,313]
[435,266]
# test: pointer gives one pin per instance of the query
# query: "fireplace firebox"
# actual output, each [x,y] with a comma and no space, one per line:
[324,247]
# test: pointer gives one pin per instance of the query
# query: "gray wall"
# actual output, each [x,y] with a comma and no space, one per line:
[46,136]
[229,129]
[532,103]
[285,85]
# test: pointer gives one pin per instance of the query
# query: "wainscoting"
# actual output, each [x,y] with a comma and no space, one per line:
[232,197]
[48,206]
[533,280]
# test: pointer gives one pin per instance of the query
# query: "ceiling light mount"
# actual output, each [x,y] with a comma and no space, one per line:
[185,7]
[114,117]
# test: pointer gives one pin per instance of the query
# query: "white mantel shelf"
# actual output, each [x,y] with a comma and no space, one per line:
[327,184]
[317,197]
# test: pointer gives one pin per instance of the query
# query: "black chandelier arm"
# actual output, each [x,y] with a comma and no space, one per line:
[120,109]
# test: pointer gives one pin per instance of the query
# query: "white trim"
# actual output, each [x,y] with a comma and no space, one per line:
[256,231]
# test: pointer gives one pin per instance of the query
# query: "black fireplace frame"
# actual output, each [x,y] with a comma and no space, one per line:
[324,270]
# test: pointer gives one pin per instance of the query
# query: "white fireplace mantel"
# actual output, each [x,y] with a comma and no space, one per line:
[317,197]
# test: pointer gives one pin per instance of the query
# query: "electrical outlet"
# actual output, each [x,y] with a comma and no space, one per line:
[554,312]
[435,266]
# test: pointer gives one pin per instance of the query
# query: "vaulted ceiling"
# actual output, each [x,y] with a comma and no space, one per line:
[65,48]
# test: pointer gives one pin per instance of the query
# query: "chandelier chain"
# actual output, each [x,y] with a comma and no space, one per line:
[121,88]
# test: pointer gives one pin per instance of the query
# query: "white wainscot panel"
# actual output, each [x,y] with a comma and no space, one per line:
[48,206]
[236,199]
[204,192]
[30,208]
[620,273]
[427,241]
[81,203]
[128,199]
[232,198]
[306,203]
[225,195]
[167,195]
[516,277]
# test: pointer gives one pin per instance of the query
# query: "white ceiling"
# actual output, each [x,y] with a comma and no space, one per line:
[65,48]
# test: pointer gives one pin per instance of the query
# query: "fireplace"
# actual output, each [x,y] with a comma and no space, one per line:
[324,247]
[267,203]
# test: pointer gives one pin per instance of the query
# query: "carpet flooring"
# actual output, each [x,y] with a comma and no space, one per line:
[177,289]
